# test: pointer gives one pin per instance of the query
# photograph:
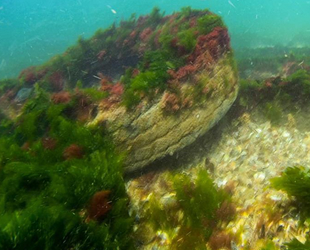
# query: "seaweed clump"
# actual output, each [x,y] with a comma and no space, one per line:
[61,184]
[295,181]
[297,245]
[276,94]
[292,87]
[195,215]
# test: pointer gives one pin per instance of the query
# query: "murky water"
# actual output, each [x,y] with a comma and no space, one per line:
[32,31]
[173,128]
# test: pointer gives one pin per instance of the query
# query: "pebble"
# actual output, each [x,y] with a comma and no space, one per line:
[266,152]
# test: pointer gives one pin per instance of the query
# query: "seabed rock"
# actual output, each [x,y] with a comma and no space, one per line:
[203,91]
[150,134]
[168,80]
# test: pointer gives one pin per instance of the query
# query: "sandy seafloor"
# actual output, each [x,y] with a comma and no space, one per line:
[246,152]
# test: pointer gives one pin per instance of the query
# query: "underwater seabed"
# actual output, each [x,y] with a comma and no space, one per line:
[241,154]
[266,62]
[64,126]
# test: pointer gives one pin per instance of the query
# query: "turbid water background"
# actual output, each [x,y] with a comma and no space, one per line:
[32,31]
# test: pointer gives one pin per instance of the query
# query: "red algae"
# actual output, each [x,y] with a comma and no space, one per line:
[61,97]
[100,205]
[73,151]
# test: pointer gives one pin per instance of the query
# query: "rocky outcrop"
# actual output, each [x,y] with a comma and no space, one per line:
[156,83]
[197,93]
[151,133]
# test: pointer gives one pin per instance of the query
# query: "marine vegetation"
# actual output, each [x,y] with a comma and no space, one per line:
[295,181]
[261,63]
[297,245]
[273,112]
[61,184]
[61,180]
[276,94]
[269,245]
[145,55]
[194,215]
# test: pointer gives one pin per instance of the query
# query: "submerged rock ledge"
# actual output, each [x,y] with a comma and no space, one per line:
[150,134]
[197,95]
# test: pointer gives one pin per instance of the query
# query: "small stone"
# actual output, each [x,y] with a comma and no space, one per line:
[23,94]
[259,176]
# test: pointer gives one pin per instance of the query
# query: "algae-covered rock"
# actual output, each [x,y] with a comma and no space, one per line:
[151,133]
[155,82]
[195,96]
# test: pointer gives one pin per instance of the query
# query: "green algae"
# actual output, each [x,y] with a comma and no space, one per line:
[295,181]
[187,39]
[269,246]
[44,197]
[154,46]
[193,214]
[275,95]
[273,112]
[300,80]
[208,22]
[45,189]
[297,245]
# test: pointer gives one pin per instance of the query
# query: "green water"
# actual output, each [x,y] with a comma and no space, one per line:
[33,31]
